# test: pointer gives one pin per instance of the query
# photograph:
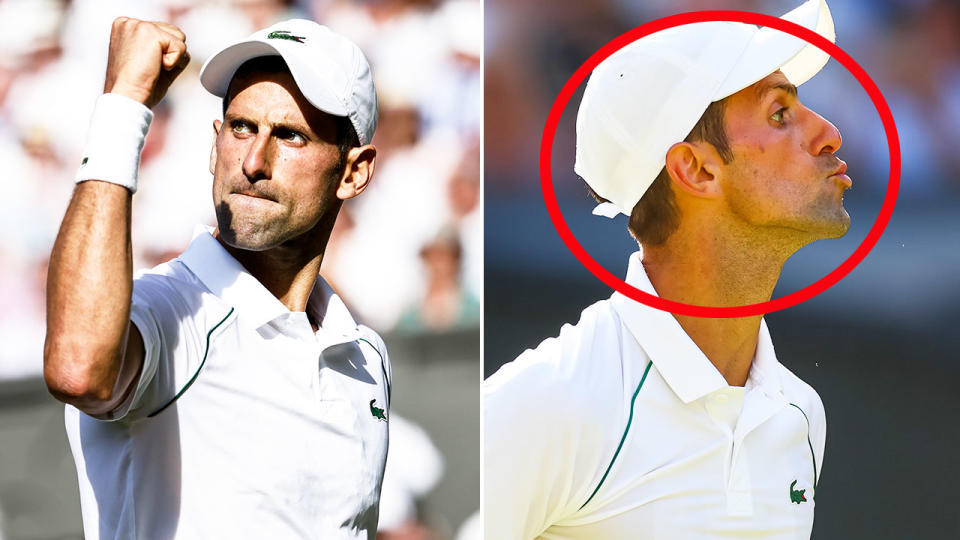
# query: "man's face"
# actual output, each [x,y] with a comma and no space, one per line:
[275,163]
[784,173]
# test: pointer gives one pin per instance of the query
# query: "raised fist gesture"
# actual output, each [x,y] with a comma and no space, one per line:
[145,58]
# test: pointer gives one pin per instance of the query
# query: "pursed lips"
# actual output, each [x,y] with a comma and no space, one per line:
[840,172]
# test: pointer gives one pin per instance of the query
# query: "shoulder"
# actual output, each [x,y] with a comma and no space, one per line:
[372,338]
[171,275]
[552,420]
[170,284]
[172,279]
[578,371]
[374,341]
[170,298]
[802,395]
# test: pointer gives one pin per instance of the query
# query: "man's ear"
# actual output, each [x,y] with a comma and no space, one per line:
[694,167]
[213,149]
[357,171]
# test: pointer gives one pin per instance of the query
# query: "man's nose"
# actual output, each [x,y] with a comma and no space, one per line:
[256,165]
[824,136]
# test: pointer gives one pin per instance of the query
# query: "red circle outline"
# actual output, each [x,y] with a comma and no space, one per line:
[679,308]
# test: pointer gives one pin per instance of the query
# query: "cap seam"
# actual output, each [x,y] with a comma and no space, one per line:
[354,77]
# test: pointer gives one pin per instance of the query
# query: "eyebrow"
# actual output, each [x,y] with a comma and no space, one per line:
[762,89]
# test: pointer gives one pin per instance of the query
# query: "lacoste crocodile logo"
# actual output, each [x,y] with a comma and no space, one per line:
[796,496]
[285,34]
[376,412]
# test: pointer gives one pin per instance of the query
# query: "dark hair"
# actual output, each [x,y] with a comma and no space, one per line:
[346,134]
[656,216]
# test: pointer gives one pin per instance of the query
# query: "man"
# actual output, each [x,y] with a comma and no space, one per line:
[227,393]
[636,423]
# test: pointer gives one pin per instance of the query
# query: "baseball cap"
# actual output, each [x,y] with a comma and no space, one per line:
[330,70]
[650,94]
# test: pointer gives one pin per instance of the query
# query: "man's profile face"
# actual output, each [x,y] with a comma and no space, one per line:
[784,173]
[275,164]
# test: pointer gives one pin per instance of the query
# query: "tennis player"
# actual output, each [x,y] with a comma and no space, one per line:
[227,393]
[637,423]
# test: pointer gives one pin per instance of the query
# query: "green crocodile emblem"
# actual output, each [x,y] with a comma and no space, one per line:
[84,162]
[377,412]
[285,34]
[796,496]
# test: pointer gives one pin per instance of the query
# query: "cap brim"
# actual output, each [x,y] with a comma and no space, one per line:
[218,71]
[771,50]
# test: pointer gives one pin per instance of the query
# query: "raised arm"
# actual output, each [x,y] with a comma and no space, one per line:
[93,354]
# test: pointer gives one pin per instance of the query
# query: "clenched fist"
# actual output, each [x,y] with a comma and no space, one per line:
[145,58]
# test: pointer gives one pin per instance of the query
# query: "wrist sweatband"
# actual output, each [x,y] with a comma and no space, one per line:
[117,130]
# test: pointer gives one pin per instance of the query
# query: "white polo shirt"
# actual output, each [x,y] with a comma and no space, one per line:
[620,427]
[245,423]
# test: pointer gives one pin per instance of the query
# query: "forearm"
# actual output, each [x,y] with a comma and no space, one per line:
[93,354]
[89,287]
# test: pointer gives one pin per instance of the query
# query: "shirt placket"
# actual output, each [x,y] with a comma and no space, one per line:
[758,407]
[724,408]
[301,344]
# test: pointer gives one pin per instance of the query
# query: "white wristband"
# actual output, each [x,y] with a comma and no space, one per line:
[117,130]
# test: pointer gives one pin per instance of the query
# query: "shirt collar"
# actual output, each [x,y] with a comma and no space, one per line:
[688,372]
[326,306]
[229,280]
[765,369]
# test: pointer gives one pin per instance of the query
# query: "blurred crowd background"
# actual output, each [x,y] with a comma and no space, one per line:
[880,346]
[406,256]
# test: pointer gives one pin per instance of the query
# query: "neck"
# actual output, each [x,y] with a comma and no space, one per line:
[290,270]
[706,267]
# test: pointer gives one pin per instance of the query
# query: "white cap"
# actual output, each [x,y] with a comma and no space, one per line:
[329,69]
[650,94]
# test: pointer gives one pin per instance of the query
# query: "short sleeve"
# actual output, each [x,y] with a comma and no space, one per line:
[174,319]
[545,444]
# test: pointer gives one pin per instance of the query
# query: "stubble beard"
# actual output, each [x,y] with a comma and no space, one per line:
[252,230]
[244,233]
[834,220]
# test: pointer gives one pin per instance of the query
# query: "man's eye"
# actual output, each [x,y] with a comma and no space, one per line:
[290,135]
[241,127]
[778,116]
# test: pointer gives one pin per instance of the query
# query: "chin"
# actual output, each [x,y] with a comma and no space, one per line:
[841,229]
[246,242]
[245,234]
[833,227]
